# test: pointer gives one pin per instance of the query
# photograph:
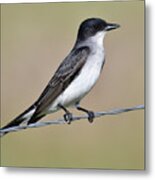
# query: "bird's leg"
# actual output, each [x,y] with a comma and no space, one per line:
[68,117]
[91,114]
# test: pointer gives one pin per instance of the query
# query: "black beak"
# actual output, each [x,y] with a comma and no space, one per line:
[110,26]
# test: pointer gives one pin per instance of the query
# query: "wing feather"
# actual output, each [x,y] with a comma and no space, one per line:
[64,75]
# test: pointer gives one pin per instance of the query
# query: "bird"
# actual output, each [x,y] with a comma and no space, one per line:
[74,78]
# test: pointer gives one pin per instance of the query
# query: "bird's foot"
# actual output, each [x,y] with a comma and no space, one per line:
[91,116]
[68,117]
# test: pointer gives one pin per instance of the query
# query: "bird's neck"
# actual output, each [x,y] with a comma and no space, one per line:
[98,39]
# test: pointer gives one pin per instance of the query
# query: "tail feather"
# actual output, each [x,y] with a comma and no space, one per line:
[26,115]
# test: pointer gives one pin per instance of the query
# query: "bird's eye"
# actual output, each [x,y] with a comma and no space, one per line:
[97,27]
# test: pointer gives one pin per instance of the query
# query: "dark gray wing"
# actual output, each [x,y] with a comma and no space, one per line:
[64,75]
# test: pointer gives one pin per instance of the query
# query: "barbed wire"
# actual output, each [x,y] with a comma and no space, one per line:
[62,121]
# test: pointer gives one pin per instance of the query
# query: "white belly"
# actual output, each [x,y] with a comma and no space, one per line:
[83,83]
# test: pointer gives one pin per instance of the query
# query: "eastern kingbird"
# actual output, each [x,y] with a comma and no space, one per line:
[75,76]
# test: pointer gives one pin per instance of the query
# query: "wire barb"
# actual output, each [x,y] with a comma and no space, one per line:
[75,118]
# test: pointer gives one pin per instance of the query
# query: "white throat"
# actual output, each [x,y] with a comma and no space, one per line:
[98,38]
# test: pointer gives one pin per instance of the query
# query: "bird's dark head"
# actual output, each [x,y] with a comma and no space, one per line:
[90,27]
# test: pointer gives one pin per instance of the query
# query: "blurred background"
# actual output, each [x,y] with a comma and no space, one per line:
[35,38]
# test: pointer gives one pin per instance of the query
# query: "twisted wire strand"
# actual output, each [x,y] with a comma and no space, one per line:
[75,118]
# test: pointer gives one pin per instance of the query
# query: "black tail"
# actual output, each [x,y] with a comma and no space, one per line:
[21,118]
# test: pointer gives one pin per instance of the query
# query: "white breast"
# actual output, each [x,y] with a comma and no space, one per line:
[87,78]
